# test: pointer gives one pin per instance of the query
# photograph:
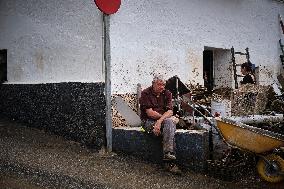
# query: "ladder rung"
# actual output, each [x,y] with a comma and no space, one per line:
[240,53]
[240,76]
[237,65]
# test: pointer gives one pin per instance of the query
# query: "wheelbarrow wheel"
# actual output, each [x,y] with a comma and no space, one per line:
[269,168]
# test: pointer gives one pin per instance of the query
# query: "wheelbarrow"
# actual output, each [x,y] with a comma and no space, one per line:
[265,144]
[260,142]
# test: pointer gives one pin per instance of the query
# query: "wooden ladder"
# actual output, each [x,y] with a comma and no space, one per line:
[280,42]
[235,64]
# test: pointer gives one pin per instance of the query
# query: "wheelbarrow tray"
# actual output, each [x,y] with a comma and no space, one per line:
[247,137]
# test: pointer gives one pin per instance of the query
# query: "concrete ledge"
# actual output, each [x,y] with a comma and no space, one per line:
[192,146]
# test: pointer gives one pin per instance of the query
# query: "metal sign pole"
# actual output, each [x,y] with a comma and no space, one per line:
[107,7]
[107,82]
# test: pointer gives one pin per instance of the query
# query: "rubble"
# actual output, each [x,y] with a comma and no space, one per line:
[249,99]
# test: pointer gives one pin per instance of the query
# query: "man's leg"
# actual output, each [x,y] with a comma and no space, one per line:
[168,133]
[169,129]
[148,125]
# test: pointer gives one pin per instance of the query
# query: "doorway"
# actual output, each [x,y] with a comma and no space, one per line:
[208,72]
[217,68]
[3,65]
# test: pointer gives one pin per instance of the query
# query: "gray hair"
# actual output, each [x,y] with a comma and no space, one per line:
[158,78]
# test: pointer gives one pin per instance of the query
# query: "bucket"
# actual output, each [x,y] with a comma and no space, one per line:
[223,108]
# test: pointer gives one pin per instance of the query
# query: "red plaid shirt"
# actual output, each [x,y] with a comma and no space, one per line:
[159,104]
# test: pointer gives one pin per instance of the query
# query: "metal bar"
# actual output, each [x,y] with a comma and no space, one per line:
[240,76]
[247,54]
[209,121]
[205,109]
[107,59]
[177,97]
[139,90]
[234,67]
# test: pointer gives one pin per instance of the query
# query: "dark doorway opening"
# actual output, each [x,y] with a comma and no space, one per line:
[208,70]
[3,65]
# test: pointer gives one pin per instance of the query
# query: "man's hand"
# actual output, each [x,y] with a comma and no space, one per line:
[157,128]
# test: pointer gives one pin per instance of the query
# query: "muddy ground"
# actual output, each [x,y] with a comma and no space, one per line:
[33,159]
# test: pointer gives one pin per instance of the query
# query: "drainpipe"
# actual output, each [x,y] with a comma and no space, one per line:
[107,60]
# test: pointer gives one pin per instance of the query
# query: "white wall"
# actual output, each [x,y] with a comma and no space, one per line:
[169,37]
[51,41]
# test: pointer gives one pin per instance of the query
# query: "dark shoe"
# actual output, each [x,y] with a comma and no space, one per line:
[169,156]
[174,169]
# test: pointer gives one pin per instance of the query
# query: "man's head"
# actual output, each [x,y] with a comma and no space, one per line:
[246,68]
[158,84]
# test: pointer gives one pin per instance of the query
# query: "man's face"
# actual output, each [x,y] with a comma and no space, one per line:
[159,86]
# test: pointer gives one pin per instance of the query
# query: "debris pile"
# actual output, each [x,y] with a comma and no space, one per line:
[235,166]
[223,92]
[117,118]
[273,127]
[200,94]
[249,99]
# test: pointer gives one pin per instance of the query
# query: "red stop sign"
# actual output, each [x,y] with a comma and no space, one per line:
[108,6]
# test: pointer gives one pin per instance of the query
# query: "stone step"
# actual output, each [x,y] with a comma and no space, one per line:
[192,146]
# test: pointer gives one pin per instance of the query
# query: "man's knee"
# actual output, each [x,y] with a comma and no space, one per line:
[168,121]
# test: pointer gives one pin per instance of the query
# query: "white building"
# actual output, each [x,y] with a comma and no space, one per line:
[179,37]
[55,69]
[55,53]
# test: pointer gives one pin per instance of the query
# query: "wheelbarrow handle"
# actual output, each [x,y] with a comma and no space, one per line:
[205,117]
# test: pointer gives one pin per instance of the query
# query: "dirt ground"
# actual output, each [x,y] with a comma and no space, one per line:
[8,181]
[33,159]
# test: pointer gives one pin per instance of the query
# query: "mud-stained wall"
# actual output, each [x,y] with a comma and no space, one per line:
[52,41]
[169,37]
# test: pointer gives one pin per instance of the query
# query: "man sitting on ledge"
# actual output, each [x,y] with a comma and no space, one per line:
[156,112]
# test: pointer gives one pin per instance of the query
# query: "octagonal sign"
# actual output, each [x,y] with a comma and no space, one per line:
[108,6]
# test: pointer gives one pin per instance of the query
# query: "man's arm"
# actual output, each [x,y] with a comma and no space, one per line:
[153,114]
[157,116]
[160,118]
[167,114]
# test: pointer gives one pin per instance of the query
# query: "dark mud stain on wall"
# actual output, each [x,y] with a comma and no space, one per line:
[73,110]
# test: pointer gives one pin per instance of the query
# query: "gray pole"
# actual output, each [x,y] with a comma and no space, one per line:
[107,59]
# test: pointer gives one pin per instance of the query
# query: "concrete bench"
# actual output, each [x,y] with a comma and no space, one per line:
[192,146]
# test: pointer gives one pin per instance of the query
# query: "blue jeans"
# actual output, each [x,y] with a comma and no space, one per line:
[168,129]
